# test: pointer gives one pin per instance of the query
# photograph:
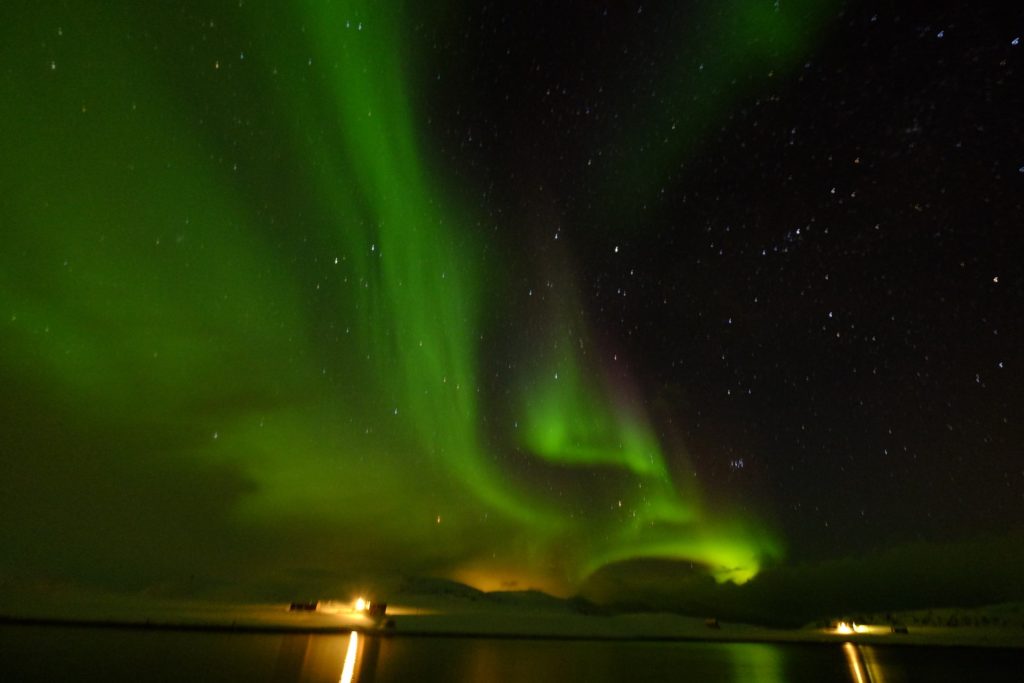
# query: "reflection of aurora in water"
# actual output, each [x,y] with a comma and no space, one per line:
[322,343]
[369,658]
[329,657]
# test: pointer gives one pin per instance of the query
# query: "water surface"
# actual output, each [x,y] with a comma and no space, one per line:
[49,653]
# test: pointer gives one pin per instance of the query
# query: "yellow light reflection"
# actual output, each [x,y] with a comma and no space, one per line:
[876,672]
[350,658]
[853,659]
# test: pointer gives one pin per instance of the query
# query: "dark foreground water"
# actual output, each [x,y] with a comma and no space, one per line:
[45,653]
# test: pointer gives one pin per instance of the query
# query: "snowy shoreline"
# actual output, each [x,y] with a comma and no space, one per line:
[507,622]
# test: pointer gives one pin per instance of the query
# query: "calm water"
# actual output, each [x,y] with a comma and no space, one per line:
[39,653]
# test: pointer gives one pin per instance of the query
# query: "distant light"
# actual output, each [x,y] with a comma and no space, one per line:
[850,627]
[361,605]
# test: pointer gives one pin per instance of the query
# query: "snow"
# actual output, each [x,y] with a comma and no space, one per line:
[518,615]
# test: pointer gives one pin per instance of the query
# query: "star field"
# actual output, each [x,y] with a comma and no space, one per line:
[506,293]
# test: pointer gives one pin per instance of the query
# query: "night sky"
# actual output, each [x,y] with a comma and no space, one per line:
[506,293]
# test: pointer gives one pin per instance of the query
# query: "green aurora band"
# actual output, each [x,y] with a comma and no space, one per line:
[284,298]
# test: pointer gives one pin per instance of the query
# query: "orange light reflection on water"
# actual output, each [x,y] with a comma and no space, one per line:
[350,658]
[853,659]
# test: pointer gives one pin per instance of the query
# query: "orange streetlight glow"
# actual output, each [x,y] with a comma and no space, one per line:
[844,628]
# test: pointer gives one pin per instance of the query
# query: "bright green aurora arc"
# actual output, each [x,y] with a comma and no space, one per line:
[241,300]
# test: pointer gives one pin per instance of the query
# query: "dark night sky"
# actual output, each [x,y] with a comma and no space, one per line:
[826,285]
[745,271]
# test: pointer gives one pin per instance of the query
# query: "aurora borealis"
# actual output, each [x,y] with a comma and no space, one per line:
[332,290]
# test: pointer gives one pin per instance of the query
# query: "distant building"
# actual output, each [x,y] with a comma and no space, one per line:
[304,606]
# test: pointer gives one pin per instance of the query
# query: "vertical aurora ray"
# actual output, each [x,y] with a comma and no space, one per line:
[326,359]
[418,304]
[423,322]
